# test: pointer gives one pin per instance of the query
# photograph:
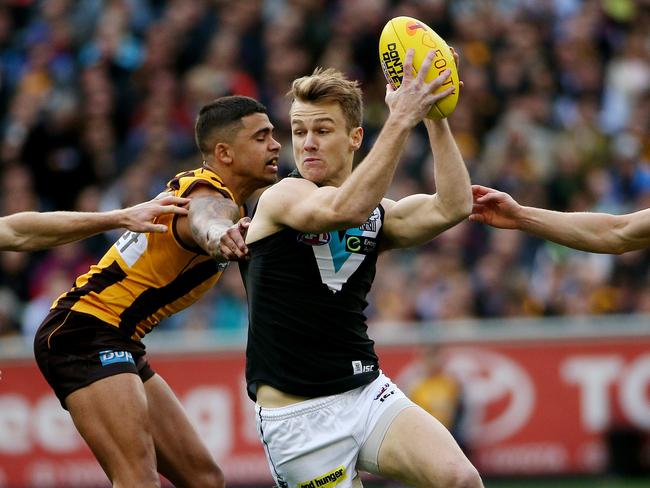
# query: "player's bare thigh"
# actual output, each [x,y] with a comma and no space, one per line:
[420,451]
[182,456]
[111,415]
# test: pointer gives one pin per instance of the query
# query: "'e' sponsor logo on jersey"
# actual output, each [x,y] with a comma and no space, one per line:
[360,244]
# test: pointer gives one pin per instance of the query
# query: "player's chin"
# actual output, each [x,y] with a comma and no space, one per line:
[270,177]
[271,170]
[315,175]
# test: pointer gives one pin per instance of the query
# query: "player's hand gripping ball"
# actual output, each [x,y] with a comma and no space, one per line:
[402,33]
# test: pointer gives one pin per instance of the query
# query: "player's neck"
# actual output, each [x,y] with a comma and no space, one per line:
[241,187]
[336,179]
[228,181]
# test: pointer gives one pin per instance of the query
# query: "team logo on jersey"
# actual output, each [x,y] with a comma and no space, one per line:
[112,357]
[314,239]
[345,251]
[327,480]
[371,224]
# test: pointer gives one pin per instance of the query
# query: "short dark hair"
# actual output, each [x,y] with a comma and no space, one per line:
[220,120]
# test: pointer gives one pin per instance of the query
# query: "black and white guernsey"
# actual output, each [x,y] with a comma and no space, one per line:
[307,294]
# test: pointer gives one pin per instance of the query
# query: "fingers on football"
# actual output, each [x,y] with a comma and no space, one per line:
[440,79]
[426,66]
[408,65]
[455,56]
[461,84]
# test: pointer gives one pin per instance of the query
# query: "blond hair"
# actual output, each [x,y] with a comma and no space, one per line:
[330,85]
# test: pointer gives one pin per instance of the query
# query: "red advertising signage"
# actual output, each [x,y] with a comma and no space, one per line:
[531,408]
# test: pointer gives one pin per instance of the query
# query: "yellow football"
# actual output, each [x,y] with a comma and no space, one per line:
[402,33]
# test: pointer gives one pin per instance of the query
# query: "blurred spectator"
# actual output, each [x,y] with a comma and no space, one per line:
[436,391]
[9,312]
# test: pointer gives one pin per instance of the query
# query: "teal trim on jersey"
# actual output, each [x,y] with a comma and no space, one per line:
[337,246]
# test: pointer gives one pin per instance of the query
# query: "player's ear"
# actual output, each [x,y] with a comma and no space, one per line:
[223,153]
[356,138]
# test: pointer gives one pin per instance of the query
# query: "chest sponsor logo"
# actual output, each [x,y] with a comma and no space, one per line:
[360,244]
[314,239]
[112,357]
[332,478]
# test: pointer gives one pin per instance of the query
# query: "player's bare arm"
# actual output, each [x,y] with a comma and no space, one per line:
[417,219]
[210,215]
[141,217]
[33,231]
[302,205]
[593,232]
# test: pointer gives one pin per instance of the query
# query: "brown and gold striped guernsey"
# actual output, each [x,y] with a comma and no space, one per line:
[144,278]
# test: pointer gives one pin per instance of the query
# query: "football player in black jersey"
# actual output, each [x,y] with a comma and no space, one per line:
[324,408]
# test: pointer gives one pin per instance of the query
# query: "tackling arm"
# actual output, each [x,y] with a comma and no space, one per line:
[33,231]
[592,232]
[210,216]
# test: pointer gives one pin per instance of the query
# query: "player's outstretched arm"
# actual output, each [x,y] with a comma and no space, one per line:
[593,232]
[33,231]
[140,218]
[417,219]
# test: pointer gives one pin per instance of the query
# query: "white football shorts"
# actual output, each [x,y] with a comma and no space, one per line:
[322,442]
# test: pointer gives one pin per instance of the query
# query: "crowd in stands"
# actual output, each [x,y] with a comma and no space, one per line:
[98,100]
